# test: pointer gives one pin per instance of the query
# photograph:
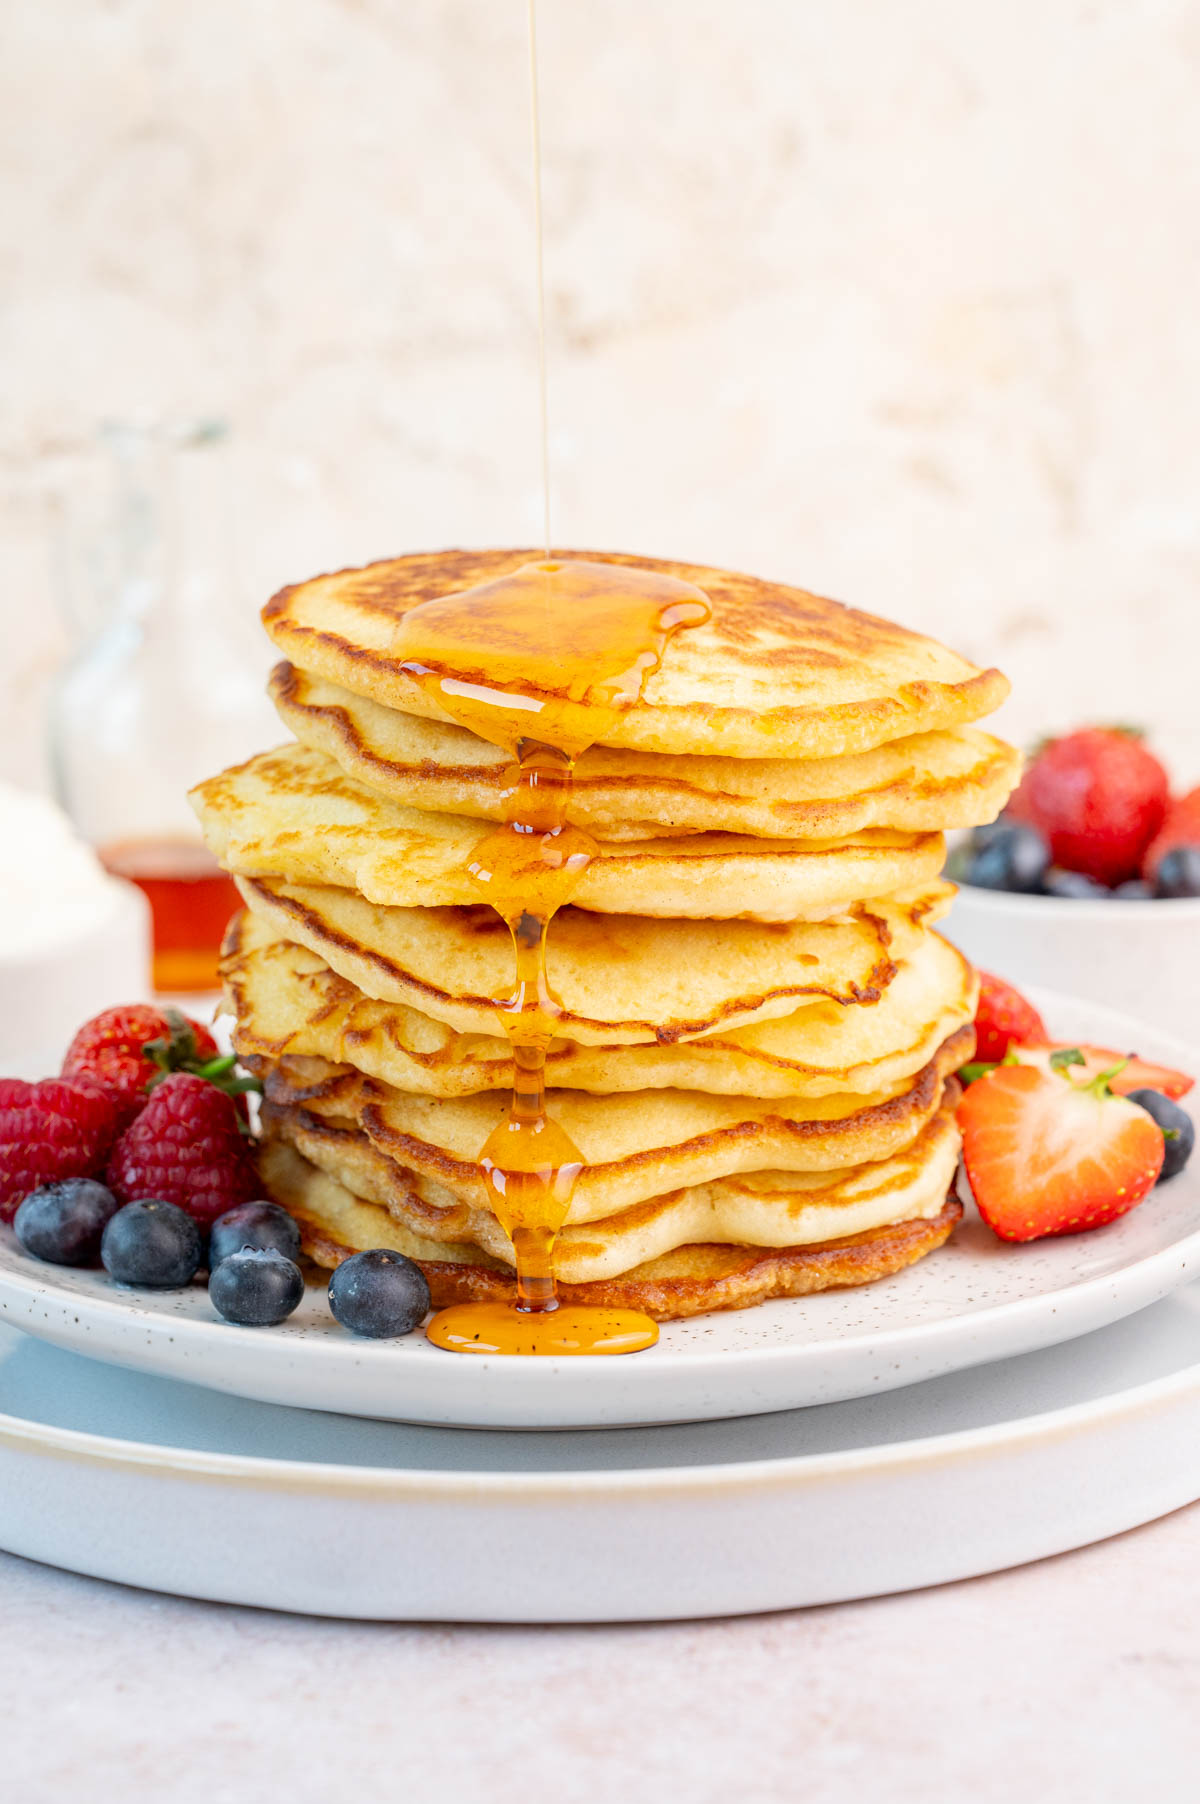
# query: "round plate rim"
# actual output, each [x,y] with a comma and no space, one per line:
[317,1475]
[1070,1301]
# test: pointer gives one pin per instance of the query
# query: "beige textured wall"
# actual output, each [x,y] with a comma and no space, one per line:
[895,298]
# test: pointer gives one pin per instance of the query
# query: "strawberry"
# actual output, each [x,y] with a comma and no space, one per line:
[186,1147]
[1098,797]
[1047,1156]
[1135,1073]
[1181,828]
[130,1049]
[1003,1017]
[55,1129]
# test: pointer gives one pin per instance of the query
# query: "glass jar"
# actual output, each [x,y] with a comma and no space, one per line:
[165,685]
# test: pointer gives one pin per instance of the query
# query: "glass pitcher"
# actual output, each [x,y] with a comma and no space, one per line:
[165,685]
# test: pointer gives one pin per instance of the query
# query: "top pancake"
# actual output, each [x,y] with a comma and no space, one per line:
[929,782]
[775,673]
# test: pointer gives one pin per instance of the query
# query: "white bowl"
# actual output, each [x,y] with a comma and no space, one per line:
[49,991]
[1142,957]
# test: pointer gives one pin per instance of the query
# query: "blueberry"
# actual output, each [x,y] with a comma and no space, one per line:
[253,1225]
[1133,891]
[977,840]
[1177,1127]
[151,1244]
[1179,872]
[983,836]
[1074,885]
[257,1287]
[63,1222]
[1015,857]
[379,1294]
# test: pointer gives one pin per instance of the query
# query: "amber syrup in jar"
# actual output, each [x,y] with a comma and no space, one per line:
[191,902]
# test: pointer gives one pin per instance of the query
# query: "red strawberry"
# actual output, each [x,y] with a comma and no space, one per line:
[1098,797]
[128,1049]
[55,1129]
[1181,828]
[186,1148]
[1135,1073]
[1003,1017]
[1046,1156]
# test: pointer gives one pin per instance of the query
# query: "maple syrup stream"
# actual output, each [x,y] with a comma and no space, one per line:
[541,662]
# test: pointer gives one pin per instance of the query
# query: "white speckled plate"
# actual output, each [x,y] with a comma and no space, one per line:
[976,1300]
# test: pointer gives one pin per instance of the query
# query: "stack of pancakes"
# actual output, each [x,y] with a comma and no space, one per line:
[759,1027]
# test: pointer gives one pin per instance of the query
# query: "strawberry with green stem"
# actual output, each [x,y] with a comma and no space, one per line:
[131,1049]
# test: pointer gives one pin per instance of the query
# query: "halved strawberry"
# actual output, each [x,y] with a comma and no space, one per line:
[1046,1156]
[1003,1017]
[1135,1073]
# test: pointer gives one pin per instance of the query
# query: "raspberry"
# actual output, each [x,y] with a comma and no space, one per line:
[60,1128]
[185,1148]
[128,1049]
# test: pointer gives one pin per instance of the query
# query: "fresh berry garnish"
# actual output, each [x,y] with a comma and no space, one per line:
[62,1223]
[256,1287]
[60,1128]
[1074,886]
[131,1049]
[1180,828]
[1179,1130]
[1002,1018]
[1087,1062]
[1178,873]
[379,1294]
[1008,855]
[1098,797]
[258,1225]
[1047,1156]
[186,1148]
[151,1244]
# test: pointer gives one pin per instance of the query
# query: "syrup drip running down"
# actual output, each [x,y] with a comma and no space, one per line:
[541,662]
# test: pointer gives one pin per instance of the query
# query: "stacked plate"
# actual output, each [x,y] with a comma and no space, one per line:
[759,1032]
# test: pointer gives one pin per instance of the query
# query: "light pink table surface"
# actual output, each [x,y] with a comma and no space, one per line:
[1076,1679]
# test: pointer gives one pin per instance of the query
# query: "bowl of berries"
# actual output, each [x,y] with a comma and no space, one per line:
[1090,880]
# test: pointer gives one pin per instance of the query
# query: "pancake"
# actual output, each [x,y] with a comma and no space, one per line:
[691,1281]
[634,1145]
[929,783]
[775,673]
[293,813]
[288,1002]
[618,979]
[761,1209]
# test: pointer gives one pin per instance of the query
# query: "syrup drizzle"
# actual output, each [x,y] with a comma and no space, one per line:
[535,138]
[541,662]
